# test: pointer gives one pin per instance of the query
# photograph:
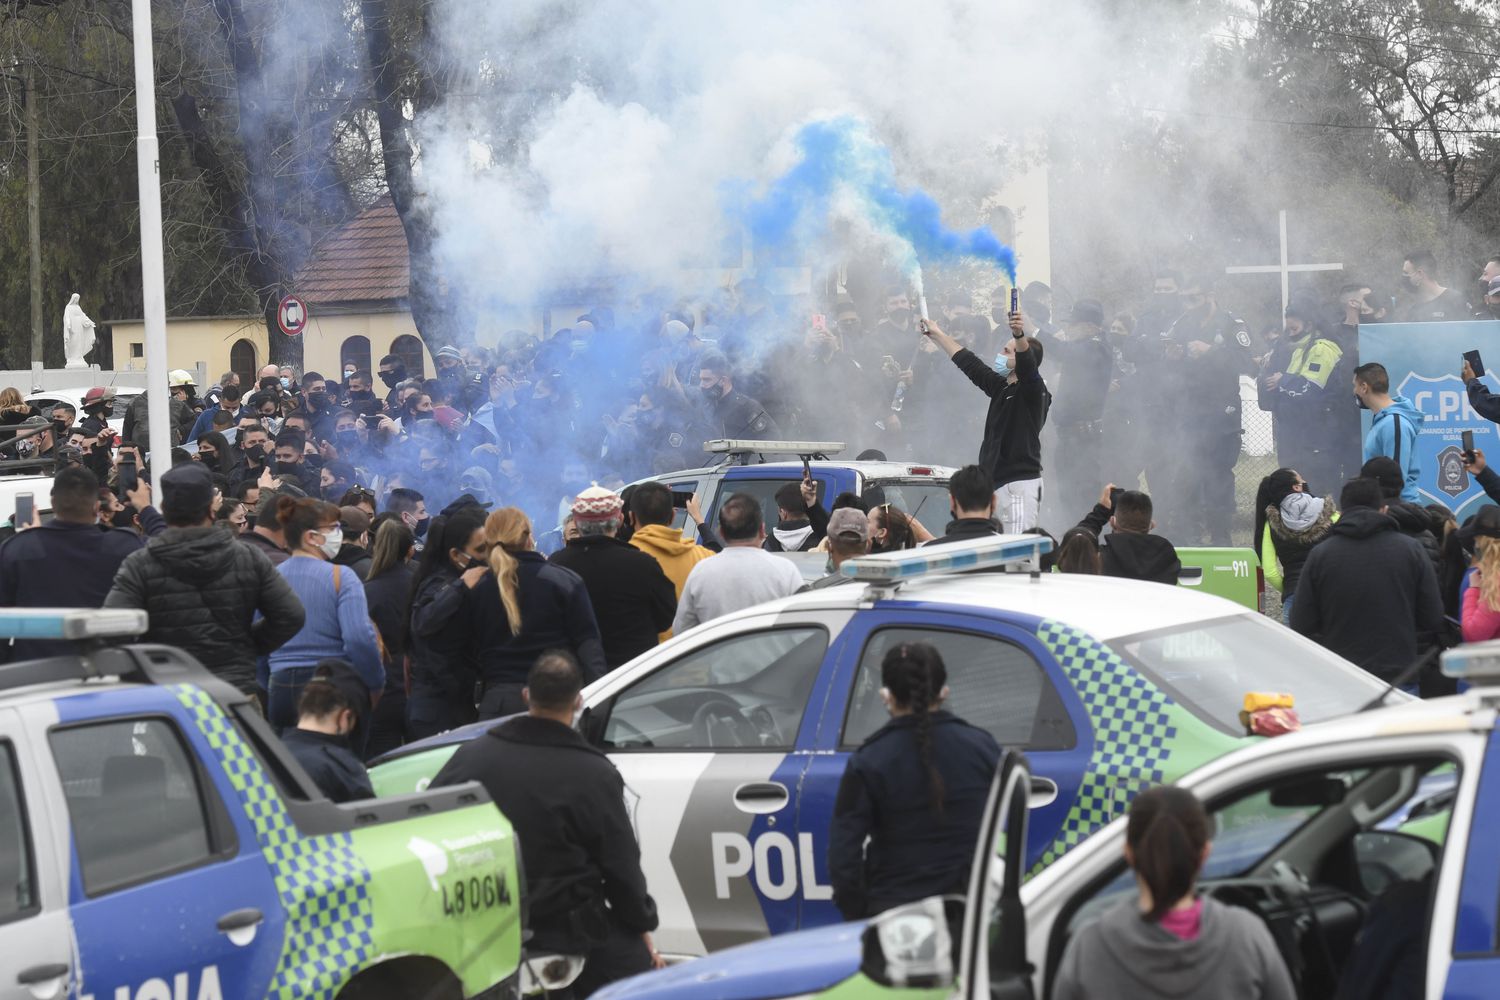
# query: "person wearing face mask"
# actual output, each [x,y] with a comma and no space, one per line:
[1395,427]
[444,668]
[1302,396]
[228,402]
[327,714]
[1208,350]
[392,372]
[338,619]
[733,414]
[1085,365]
[291,461]
[1427,301]
[1011,452]
[411,506]
[359,395]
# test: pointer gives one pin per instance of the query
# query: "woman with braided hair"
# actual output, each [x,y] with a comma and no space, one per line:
[912,797]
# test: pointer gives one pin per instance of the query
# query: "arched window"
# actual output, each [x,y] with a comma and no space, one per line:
[242,362]
[409,350]
[356,351]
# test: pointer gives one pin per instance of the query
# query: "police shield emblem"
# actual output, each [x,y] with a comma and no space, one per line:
[674,440]
[1452,477]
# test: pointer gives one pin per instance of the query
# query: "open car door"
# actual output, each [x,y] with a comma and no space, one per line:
[992,951]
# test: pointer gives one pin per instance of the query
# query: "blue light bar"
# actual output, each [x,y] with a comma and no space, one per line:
[1476,662]
[994,552]
[71,623]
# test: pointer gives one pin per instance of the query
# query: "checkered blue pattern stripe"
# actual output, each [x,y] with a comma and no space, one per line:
[323,884]
[1132,726]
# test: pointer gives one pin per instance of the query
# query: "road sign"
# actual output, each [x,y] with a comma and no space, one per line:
[291,316]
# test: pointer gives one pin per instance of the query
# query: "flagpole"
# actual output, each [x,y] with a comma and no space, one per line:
[153,279]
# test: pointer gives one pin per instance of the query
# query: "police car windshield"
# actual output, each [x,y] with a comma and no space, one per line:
[1208,666]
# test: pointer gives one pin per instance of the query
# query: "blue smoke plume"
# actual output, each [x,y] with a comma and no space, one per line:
[843,169]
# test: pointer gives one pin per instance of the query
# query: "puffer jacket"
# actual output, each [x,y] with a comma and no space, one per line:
[1289,547]
[201,593]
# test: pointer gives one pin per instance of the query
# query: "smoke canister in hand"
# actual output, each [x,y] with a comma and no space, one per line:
[1015,299]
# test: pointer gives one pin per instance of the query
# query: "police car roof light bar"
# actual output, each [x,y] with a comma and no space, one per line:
[1478,663]
[739,450]
[1012,552]
[71,623]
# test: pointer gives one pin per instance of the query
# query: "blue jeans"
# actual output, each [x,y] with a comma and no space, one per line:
[1286,610]
[284,693]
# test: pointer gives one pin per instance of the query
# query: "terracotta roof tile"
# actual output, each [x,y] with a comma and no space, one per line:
[364,261]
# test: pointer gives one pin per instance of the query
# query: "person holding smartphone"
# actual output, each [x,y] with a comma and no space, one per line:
[1011,451]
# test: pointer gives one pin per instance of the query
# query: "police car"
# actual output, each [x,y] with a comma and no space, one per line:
[157,842]
[733,737]
[918,490]
[1366,844]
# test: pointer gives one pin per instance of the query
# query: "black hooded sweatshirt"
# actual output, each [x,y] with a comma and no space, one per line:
[1133,555]
[1012,447]
[1369,594]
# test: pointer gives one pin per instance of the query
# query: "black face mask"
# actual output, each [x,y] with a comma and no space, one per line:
[361,394]
[123,519]
[249,522]
[392,378]
[289,468]
[420,531]
[317,400]
[347,440]
[59,429]
[900,317]
[420,415]
[714,393]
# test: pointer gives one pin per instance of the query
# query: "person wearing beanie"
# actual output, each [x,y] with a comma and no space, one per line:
[633,600]
[222,603]
[1296,389]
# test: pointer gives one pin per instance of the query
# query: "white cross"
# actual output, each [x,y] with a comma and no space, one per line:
[1285,269]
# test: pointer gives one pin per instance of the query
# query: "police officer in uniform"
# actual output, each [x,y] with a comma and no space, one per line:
[329,712]
[567,804]
[737,415]
[1299,392]
[1086,364]
[1208,349]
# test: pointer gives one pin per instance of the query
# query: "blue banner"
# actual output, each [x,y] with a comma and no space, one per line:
[1424,361]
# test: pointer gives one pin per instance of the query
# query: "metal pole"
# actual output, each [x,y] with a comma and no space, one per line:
[34,214]
[153,278]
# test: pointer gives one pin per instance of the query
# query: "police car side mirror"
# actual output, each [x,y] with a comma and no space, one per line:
[912,946]
[1383,858]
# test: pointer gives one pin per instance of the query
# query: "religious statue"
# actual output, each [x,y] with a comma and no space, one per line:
[78,334]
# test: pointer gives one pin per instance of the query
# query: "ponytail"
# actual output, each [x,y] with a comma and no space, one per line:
[914,674]
[1166,832]
[508,531]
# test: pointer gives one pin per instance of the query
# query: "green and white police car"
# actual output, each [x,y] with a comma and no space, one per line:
[157,842]
[733,737]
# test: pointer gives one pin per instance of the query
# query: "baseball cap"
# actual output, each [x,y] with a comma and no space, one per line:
[355,521]
[849,522]
[187,489]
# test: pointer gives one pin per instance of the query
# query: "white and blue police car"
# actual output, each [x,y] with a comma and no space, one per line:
[733,737]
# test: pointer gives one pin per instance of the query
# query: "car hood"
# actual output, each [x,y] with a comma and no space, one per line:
[786,965]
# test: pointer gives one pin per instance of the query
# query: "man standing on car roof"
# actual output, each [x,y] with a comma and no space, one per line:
[1011,452]
[578,842]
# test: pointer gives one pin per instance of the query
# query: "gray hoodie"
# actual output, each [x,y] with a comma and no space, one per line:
[1122,956]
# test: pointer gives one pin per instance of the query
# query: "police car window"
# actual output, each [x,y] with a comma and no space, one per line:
[996,685]
[927,500]
[764,491]
[134,799]
[17,876]
[744,693]
[1209,666]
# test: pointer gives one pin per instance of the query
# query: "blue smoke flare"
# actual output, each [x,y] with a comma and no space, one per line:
[843,170]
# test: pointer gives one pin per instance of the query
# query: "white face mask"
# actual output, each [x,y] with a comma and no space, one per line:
[333,540]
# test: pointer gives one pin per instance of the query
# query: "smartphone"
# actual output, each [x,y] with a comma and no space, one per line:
[1472,357]
[128,479]
[806,470]
[1114,496]
[680,500]
[25,510]
[1468,446]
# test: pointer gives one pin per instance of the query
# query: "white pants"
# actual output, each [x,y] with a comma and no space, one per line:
[1018,505]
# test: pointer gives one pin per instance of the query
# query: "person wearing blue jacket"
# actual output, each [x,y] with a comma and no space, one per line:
[1394,429]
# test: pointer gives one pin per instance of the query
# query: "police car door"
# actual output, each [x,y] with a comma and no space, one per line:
[36,955]
[1001,679]
[169,895]
[707,742]
[992,953]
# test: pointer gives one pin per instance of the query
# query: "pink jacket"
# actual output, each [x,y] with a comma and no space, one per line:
[1480,623]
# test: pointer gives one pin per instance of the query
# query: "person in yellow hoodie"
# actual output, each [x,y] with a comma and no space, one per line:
[651,517]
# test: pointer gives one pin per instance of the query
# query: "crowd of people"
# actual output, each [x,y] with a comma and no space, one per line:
[374,567]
